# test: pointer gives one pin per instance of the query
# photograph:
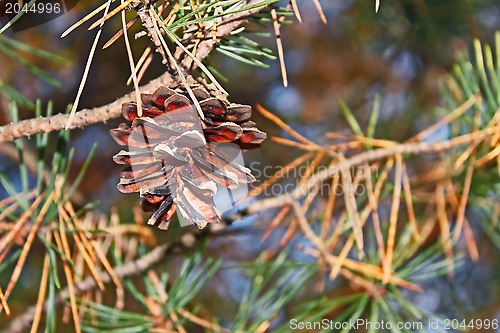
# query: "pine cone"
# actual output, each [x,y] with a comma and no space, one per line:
[176,160]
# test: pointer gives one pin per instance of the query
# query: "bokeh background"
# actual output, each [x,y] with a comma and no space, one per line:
[402,52]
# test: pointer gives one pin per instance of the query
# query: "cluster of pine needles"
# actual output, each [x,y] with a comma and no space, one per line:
[386,194]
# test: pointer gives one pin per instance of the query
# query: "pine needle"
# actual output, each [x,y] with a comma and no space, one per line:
[336,268]
[86,72]
[345,146]
[279,46]
[347,113]
[495,215]
[62,244]
[176,321]
[41,293]
[14,200]
[120,292]
[8,238]
[468,234]
[296,10]
[373,118]
[4,303]
[281,173]
[176,65]
[78,229]
[364,268]
[115,11]
[140,62]
[373,201]
[117,238]
[464,198]
[217,11]
[370,287]
[263,327]
[134,242]
[455,114]
[444,226]
[119,34]
[83,20]
[27,246]
[290,231]
[320,11]
[132,64]
[82,249]
[201,322]
[276,221]
[393,219]
[144,68]
[470,241]
[6,251]
[352,210]
[488,157]
[311,195]
[383,177]
[467,180]
[285,127]
[191,55]
[377,143]
[295,144]
[409,204]
[311,167]
[330,205]
[339,262]
[337,231]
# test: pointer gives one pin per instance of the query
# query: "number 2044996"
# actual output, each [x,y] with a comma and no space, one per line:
[36,8]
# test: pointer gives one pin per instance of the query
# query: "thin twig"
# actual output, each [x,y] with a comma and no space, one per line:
[112,110]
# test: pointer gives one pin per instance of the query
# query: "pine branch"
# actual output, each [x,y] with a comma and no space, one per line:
[139,266]
[23,321]
[82,118]
[29,127]
[370,156]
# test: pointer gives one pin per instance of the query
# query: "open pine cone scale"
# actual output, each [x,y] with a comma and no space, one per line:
[177,161]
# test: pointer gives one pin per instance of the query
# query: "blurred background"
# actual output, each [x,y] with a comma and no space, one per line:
[400,53]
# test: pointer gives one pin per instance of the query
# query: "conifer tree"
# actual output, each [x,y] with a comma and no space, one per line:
[359,223]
